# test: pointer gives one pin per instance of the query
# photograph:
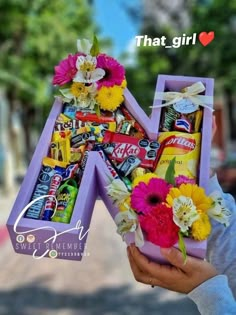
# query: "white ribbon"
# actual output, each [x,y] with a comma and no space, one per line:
[190,92]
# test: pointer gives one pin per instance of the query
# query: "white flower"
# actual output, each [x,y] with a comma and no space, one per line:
[84,46]
[84,100]
[184,212]
[117,191]
[218,211]
[87,71]
[127,221]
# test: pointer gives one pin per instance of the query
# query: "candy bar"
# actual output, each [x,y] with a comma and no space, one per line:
[89,147]
[136,125]
[124,146]
[70,111]
[52,162]
[105,117]
[62,118]
[70,171]
[99,149]
[125,127]
[99,129]
[69,125]
[42,187]
[82,138]
[170,115]
[50,203]
[128,165]
[183,124]
[76,154]
[60,150]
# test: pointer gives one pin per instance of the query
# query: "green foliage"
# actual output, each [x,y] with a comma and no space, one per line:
[34,36]
[170,172]
[95,47]
[182,246]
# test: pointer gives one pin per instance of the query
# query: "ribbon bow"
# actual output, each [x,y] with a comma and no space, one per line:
[190,92]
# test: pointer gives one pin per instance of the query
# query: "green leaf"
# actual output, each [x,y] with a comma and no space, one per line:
[170,172]
[97,110]
[94,51]
[182,247]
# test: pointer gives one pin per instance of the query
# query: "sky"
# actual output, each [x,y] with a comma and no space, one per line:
[115,23]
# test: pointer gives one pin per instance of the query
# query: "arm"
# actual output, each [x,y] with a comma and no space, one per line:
[221,245]
[196,277]
[214,297]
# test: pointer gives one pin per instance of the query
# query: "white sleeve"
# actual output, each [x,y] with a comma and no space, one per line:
[221,245]
[214,297]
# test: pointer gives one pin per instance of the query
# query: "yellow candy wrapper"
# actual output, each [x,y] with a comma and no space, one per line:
[185,147]
[60,150]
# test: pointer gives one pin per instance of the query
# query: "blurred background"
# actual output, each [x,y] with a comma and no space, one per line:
[34,36]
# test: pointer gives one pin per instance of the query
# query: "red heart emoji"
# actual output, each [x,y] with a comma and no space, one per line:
[205,38]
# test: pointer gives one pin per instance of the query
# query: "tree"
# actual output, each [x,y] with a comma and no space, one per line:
[216,60]
[34,36]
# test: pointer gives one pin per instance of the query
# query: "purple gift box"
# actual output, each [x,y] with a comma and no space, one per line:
[68,241]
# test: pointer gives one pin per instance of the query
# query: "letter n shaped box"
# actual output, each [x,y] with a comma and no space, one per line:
[95,179]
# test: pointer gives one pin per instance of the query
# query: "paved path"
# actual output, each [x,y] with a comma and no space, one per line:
[102,284]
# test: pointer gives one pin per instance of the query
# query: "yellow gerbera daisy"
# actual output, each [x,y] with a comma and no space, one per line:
[143,178]
[109,98]
[124,84]
[196,193]
[201,228]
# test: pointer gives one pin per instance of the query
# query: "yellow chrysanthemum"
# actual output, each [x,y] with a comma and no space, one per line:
[78,89]
[125,206]
[196,193]
[123,84]
[201,228]
[144,178]
[109,98]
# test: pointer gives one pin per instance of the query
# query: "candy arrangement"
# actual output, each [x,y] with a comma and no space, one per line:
[87,124]
[165,203]
[148,172]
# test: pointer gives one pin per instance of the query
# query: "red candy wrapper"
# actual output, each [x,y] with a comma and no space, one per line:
[105,117]
[124,146]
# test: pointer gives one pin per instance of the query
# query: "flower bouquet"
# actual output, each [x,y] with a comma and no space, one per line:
[164,211]
[89,79]
[168,206]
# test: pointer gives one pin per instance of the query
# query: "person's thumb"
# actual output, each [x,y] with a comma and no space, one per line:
[174,256]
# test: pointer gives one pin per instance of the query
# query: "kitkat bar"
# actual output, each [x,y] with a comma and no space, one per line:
[105,117]
[124,146]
